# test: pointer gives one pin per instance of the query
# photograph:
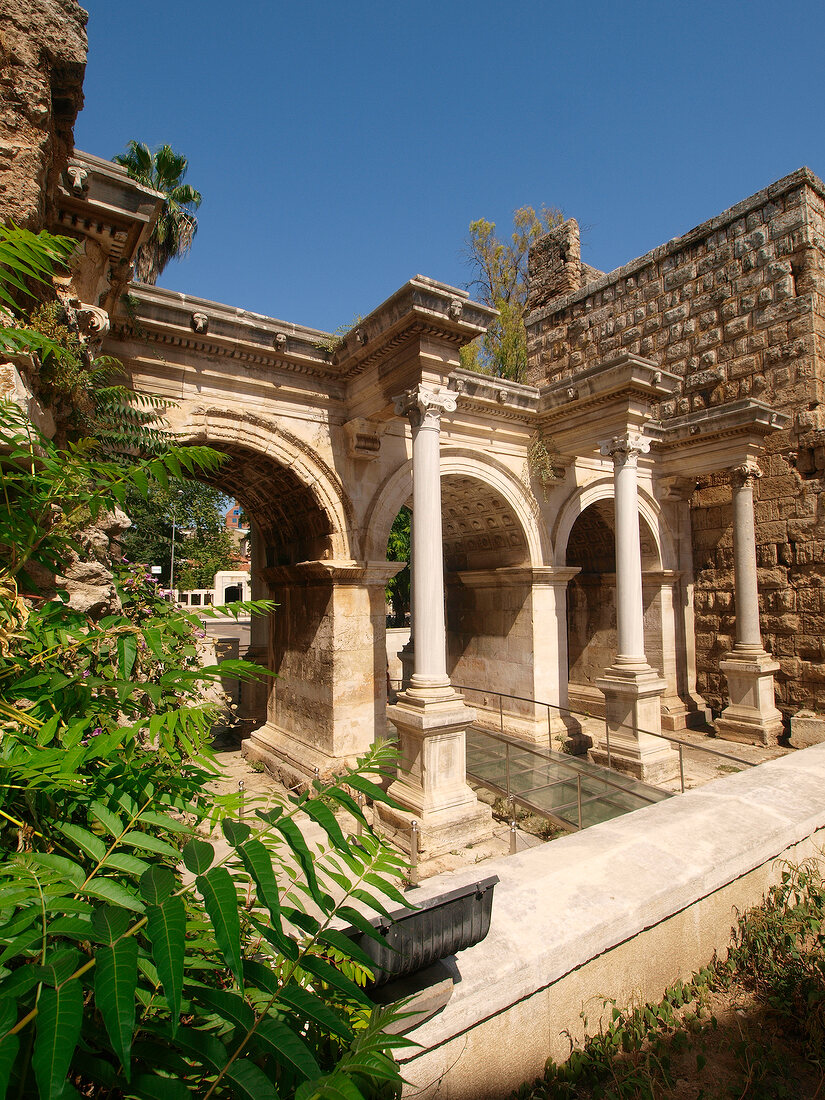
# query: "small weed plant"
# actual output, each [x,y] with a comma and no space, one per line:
[751,1026]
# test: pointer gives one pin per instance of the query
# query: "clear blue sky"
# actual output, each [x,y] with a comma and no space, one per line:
[343,147]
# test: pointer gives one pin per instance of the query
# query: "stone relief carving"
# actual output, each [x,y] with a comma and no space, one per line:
[92,321]
[363,438]
[77,178]
[456,308]
[200,323]
[279,341]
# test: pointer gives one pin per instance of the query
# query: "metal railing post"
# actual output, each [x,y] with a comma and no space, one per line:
[359,824]
[682,767]
[501,712]
[579,797]
[241,799]
[414,853]
[607,738]
[513,837]
[507,765]
[549,728]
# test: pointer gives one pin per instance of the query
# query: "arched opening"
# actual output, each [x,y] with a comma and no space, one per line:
[491,545]
[591,601]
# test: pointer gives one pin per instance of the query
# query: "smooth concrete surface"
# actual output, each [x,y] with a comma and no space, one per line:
[620,910]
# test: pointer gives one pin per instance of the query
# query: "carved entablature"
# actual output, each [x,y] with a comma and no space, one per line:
[363,438]
[625,449]
[745,475]
[424,405]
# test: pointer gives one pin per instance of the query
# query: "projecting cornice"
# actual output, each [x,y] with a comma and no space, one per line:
[422,308]
[714,439]
[97,201]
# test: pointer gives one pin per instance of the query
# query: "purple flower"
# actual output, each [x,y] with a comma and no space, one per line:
[85,674]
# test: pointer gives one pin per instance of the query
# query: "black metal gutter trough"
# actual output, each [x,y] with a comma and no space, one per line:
[417,939]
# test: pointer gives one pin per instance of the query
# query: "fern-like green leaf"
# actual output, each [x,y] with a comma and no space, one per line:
[221,901]
[59,1016]
[116,980]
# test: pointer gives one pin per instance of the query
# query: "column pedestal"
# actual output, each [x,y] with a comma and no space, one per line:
[431,783]
[633,721]
[751,716]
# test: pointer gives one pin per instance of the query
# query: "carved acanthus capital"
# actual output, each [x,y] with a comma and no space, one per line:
[424,406]
[92,321]
[625,449]
[745,475]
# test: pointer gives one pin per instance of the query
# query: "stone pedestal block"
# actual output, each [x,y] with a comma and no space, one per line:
[752,716]
[807,728]
[431,786]
[632,698]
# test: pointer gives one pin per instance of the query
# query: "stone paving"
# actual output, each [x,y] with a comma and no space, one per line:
[262,790]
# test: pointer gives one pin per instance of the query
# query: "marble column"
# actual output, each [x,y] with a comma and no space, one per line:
[752,715]
[430,717]
[631,688]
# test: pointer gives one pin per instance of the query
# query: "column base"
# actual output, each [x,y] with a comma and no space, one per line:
[632,697]
[431,785]
[290,761]
[751,716]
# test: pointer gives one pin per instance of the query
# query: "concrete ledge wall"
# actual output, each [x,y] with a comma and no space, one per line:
[621,910]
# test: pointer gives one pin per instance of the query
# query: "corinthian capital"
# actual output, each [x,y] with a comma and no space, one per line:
[744,475]
[625,449]
[424,406]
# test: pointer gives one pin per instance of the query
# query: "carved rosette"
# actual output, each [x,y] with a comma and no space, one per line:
[424,406]
[625,449]
[745,475]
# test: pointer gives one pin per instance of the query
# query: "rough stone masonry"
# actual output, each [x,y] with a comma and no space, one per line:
[736,308]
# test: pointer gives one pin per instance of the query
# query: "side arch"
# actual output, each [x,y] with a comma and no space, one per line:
[602,489]
[245,434]
[462,462]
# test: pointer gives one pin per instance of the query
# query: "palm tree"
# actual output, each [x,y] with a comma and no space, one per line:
[176,226]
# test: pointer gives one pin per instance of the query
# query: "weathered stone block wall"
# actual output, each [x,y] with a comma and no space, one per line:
[736,308]
[42,61]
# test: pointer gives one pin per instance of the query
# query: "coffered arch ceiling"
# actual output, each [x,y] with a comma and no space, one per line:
[293,525]
[592,541]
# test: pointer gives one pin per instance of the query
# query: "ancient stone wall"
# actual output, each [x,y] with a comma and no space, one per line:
[42,61]
[736,308]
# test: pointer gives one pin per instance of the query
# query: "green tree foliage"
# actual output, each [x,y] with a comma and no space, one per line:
[174,231]
[134,961]
[500,280]
[82,392]
[398,549]
[203,545]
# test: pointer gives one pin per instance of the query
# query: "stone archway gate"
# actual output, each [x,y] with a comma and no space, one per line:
[321,451]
